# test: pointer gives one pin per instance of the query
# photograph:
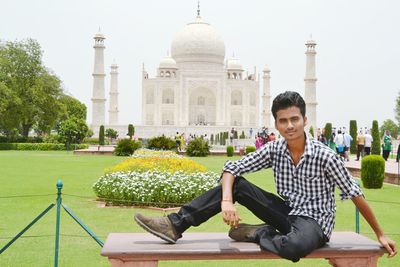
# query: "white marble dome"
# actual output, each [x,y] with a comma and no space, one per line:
[198,41]
[234,64]
[167,63]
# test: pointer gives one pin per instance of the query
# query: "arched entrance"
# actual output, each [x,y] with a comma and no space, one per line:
[202,107]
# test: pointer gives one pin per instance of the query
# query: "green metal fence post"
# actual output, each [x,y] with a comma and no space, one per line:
[357,216]
[59,187]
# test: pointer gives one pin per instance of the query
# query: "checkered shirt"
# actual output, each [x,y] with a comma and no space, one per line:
[309,187]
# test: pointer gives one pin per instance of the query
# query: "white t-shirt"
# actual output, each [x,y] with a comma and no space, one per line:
[368,140]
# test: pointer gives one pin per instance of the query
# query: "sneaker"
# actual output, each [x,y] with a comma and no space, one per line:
[158,226]
[245,232]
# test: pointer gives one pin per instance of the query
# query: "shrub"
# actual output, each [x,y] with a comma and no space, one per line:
[198,147]
[52,138]
[91,140]
[229,151]
[373,171]
[101,135]
[311,131]
[126,147]
[376,143]
[328,131]
[212,139]
[39,146]
[353,133]
[153,188]
[131,131]
[161,142]
[242,135]
[250,149]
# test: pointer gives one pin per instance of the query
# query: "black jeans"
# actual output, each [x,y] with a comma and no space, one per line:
[291,237]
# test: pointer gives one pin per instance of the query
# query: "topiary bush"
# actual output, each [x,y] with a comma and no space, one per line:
[229,151]
[131,131]
[376,142]
[198,147]
[373,171]
[353,133]
[250,149]
[126,147]
[328,131]
[161,143]
[101,135]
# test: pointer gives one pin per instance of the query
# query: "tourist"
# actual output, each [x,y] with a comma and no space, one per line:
[368,143]
[360,144]
[398,154]
[271,137]
[347,142]
[251,133]
[178,141]
[259,142]
[182,141]
[297,221]
[387,145]
[322,137]
[339,141]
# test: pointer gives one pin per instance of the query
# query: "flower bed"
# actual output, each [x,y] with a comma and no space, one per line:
[153,188]
[154,178]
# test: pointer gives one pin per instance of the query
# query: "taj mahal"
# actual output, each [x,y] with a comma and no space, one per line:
[197,89]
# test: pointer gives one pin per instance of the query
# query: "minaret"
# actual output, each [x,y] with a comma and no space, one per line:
[266,99]
[310,80]
[113,111]
[98,99]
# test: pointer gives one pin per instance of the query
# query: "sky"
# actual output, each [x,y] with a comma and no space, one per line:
[357,61]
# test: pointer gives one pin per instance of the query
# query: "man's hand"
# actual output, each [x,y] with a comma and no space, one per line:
[229,214]
[388,244]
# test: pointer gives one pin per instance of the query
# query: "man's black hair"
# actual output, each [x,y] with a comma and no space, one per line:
[286,100]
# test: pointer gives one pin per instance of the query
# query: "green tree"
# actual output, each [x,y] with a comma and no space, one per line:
[131,131]
[397,109]
[353,133]
[73,131]
[311,131]
[376,143]
[390,125]
[328,131]
[101,135]
[34,89]
[111,134]
[72,107]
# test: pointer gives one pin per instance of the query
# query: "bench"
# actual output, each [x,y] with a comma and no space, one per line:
[145,250]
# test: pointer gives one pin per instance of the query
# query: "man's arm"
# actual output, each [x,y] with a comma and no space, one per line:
[229,213]
[369,216]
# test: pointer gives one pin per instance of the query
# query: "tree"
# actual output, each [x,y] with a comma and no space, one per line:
[397,109]
[111,134]
[328,131]
[73,131]
[353,133]
[101,135]
[131,131]
[376,143]
[311,131]
[390,125]
[33,90]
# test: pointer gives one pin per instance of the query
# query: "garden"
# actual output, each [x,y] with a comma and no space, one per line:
[28,185]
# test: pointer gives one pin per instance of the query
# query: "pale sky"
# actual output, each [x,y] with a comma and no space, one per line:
[358,46]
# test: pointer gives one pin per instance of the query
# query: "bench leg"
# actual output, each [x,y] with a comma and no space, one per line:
[120,263]
[354,262]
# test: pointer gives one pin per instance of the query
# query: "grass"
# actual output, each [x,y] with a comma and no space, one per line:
[36,173]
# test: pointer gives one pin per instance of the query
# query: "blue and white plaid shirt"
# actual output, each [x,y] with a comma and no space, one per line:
[309,187]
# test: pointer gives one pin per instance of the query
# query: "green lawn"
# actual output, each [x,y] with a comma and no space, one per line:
[32,173]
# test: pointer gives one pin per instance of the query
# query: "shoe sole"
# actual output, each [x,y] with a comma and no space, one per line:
[243,226]
[151,231]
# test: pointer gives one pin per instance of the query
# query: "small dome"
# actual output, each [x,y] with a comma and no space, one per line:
[311,42]
[266,69]
[167,63]
[198,40]
[234,64]
[99,36]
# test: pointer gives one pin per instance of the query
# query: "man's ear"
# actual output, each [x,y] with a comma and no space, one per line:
[305,120]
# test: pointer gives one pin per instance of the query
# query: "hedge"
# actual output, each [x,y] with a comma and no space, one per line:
[229,151]
[38,146]
[250,149]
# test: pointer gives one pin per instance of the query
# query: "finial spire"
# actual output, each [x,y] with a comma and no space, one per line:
[198,9]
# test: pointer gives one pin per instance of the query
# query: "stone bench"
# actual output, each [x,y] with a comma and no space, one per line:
[145,250]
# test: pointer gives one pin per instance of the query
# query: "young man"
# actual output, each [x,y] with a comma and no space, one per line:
[301,218]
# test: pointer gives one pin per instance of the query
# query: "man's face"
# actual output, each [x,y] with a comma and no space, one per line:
[290,123]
